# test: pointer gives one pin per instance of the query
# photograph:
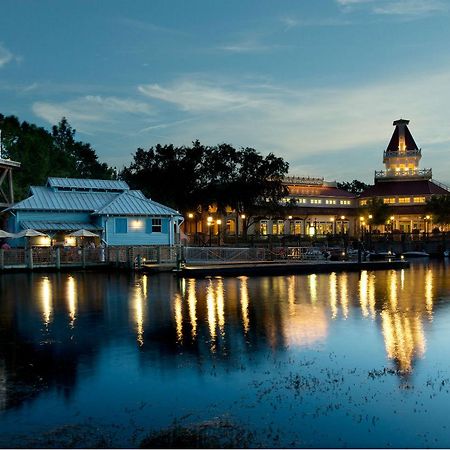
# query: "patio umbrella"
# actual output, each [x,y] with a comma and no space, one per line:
[4,234]
[29,233]
[83,233]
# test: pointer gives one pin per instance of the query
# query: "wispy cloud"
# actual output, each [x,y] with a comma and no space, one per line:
[6,56]
[291,22]
[192,95]
[88,111]
[411,7]
[309,125]
[407,9]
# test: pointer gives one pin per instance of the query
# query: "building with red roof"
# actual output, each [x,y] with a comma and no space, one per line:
[402,185]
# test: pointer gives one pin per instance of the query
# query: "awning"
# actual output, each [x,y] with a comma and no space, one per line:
[58,226]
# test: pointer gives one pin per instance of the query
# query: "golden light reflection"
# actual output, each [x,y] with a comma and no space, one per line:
[429,292]
[363,292]
[371,289]
[312,281]
[72,299]
[192,305]
[307,327]
[333,295]
[46,300]
[402,279]
[210,306]
[144,284]
[343,287]
[291,294]
[393,289]
[404,338]
[220,306]
[244,303]
[179,317]
[138,310]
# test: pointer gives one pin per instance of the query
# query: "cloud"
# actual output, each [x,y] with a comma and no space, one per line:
[88,111]
[407,9]
[6,56]
[411,7]
[191,95]
[321,128]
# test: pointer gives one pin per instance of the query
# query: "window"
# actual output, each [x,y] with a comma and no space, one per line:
[330,202]
[263,227]
[362,202]
[344,202]
[278,227]
[404,199]
[156,225]
[419,199]
[121,225]
[316,201]
[388,200]
[301,200]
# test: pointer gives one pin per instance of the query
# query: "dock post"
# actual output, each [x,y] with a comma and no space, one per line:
[30,258]
[58,258]
[2,259]
[158,255]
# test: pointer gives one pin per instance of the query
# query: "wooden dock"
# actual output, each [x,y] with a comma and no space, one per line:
[286,268]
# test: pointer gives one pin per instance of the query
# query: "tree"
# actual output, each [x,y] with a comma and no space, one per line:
[199,176]
[355,186]
[43,154]
[439,207]
[377,209]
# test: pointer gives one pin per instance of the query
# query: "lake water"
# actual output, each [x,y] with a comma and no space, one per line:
[329,360]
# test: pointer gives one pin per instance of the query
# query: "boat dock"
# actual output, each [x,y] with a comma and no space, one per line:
[286,268]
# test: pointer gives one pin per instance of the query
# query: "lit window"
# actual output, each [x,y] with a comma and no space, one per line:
[278,227]
[263,227]
[330,202]
[389,200]
[419,199]
[316,201]
[363,202]
[404,199]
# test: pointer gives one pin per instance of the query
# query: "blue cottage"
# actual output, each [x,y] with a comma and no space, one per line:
[119,215]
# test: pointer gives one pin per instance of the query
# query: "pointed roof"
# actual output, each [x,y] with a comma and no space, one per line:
[395,139]
[133,203]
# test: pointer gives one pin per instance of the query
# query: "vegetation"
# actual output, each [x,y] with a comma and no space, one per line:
[196,177]
[355,186]
[439,208]
[43,154]
[378,210]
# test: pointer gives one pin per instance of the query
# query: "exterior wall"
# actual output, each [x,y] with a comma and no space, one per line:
[136,233]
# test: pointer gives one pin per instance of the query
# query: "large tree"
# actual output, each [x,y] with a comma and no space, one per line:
[355,186]
[199,176]
[43,154]
[438,206]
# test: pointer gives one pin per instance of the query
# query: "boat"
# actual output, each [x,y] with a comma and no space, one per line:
[380,256]
[415,254]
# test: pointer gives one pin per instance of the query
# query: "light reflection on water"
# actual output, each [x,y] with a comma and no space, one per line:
[59,323]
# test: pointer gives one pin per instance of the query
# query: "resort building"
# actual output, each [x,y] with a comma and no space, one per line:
[402,186]
[109,208]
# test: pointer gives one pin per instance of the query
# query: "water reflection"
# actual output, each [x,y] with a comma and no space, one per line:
[225,319]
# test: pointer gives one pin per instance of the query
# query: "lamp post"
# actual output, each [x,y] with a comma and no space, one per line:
[219,223]
[427,218]
[342,225]
[209,222]
[244,231]
[333,226]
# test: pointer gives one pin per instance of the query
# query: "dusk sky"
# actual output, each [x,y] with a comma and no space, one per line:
[317,82]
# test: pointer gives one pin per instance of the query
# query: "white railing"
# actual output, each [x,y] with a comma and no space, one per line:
[393,174]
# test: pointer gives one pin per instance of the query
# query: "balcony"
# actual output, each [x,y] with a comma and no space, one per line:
[425,174]
[399,154]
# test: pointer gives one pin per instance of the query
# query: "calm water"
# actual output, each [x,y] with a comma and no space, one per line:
[319,360]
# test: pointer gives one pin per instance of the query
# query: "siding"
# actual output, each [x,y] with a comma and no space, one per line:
[136,235]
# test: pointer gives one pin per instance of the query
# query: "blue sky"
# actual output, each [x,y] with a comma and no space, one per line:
[317,82]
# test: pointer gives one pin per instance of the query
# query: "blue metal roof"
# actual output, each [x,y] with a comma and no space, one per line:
[84,184]
[133,203]
[57,226]
[126,203]
[46,199]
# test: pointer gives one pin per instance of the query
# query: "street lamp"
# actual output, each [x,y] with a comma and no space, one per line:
[333,229]
[342,224]
[219,223]
[427,218]
[209,222]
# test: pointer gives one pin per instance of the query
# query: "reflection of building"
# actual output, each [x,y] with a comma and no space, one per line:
[403,186]
[109,207]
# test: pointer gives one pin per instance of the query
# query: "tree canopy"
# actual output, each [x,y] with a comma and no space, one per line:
[43,154]
[199,175]
[355,186]
[377,209]
[439,208]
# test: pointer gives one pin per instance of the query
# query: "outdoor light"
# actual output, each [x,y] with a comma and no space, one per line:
[219,222]
[342,217]
[209,220]
[361,218]
[331,219]
[191,216]
[242,216]
[427,217]
[370,216]
[392,217]
[290,217]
